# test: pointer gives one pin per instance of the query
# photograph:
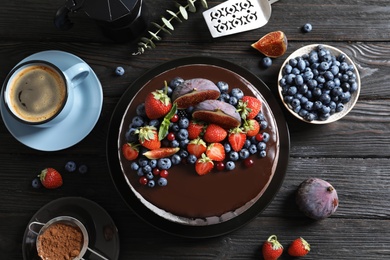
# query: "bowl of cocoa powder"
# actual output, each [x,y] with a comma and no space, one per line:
[60,238]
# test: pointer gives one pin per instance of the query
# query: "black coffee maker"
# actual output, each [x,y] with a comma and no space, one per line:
[119,20]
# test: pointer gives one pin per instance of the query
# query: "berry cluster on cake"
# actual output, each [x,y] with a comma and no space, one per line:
[198,144]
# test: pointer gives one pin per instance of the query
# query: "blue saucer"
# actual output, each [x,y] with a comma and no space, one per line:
[76,126]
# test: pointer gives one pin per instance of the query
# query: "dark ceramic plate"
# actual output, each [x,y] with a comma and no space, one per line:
[190,230]
[103,234]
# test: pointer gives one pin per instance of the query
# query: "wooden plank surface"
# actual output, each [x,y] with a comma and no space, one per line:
[353,154]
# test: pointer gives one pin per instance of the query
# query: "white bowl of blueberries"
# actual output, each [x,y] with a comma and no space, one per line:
[319,84]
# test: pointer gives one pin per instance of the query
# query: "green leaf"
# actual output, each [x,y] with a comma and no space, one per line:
[191,6]
[204,4]
[183,12]
[167,23]
[174,15]
[154,36]
[164,127]
[161,28]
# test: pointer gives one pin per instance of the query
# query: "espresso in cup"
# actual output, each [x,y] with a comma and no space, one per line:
[37,93]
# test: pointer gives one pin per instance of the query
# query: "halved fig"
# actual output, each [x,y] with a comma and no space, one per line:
[194,91]
[217,112]
[161,152]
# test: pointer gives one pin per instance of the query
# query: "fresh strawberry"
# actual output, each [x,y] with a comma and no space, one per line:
[50,178]
[195,129]
[236,138]
[272,249]
[299,247]
[214,134]
[161,152]
[216,152]
[251,127]
[249,107]
[157,104]
[204,165]
[130,151]
[197,147]
[148,137]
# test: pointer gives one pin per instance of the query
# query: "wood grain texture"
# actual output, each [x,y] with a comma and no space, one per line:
[353,154]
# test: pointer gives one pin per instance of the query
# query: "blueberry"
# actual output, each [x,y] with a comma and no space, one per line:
[236,92]
[244,153]
[293,62]
[191,159]
[307,28]
[164,163]
[252,149]
[266,62]
[292,90]
[301,64]
[149,175]
[162,181]
[223,86]
[266,137]
[175,143]
[174,127]
[134,166]
[176,159]
[295,103]
[263,125]
[151,183]
[324,66]
[227,147]
[119,71]
[262,153]
[176,82]
[140,172]
[146,169]
[234,156]
[183,153]
[261,146]
[233,101]
[140,110]
[83,169]
[36,183]
[182,134]
[137,121]
[154,122]
[70,166]
[287,69]
[299,80]
[230,165]
[183,122]
[224,97]
[143,162]
[153,163]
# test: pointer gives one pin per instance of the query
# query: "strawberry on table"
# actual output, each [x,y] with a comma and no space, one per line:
[214,133]
[157,104]
[197,147]
[130,151]
[50,178]
[236,138]
[299,247]
[249,107]
[216,152]
[204,165]
[148,137]
[272,249]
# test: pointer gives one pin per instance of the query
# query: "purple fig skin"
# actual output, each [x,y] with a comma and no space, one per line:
[317,198]
[217,112]
[193,91]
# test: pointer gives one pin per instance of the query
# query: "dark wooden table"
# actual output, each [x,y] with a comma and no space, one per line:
[353,153]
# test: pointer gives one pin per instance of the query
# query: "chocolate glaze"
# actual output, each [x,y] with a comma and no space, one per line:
[188,194]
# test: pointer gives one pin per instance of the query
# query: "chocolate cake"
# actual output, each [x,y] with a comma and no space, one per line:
[219,195]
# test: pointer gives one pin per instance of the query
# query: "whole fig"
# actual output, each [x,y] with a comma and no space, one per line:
[317,198]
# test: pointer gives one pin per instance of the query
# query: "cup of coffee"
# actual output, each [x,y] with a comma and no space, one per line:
[38,93]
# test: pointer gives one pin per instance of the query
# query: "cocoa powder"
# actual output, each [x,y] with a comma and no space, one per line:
[60,241]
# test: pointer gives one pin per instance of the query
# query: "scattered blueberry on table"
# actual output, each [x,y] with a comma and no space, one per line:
[266,62]
[120,71]
[307,28]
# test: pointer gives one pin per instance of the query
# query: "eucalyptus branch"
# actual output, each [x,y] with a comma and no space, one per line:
[166,26]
